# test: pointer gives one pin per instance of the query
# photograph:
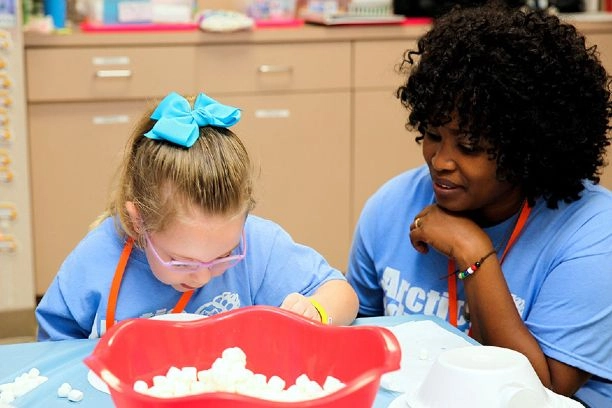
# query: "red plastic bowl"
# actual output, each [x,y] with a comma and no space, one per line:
[276,342]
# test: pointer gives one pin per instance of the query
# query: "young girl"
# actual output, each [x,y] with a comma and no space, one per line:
[177,236]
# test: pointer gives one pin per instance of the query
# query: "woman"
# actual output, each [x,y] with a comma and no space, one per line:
[505,231]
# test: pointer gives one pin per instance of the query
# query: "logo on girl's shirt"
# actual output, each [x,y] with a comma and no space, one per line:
[222,303]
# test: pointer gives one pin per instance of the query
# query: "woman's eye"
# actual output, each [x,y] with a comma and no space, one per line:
[432,136]
[468,148]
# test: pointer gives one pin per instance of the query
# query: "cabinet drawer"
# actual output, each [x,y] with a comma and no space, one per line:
[377,62]
[74,150]
[604,45]
[272,67]
[106,73]
[300,146]
[379,112]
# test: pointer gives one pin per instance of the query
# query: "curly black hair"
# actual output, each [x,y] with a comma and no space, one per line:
[524,82]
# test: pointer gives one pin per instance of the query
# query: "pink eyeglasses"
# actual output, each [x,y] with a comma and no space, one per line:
[216,267]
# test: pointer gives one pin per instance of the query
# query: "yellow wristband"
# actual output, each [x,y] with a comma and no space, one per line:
[325,319]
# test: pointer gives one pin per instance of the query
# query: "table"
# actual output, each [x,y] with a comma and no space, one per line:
[62,361]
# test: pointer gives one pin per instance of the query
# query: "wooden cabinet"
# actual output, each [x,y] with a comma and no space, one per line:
[320,119]
[102,73]
[382,146]
[74,150]
[604,45]
[263,68]
[81,109]
[300,145]
[296,125]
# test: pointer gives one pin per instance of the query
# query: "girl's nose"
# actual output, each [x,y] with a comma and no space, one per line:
[200,277]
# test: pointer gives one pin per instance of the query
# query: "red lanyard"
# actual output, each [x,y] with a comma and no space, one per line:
[452,279]
[116,285]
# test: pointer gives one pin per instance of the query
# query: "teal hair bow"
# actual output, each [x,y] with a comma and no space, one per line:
[178,123]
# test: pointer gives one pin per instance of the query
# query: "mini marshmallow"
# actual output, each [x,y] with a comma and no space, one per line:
[39,380]
[22,384]
[160,392]
[21,388]
[234,354]
[276,383]
[189,374]
[198,387]
[173,373]
[21,377]
[293,393]
[228,373]
[64,390]
[163,389]
[160,380]
[205,375]
[302,380]
[33,373]
[260,380]
[312,388]
[75,395]
[7,396]
[141,386]
[332,384]
[241,375]
[222,365]
[181,389]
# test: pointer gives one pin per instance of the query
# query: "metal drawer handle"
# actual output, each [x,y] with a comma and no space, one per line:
[273,69]
[114,73]
[110,120]
[272,113]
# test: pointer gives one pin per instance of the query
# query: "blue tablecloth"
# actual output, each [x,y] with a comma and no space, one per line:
[62,361]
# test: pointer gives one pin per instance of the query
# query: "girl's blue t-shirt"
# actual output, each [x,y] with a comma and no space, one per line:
[559,271]
[74,306]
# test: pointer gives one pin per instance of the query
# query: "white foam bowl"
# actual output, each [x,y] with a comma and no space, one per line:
[481,377]
[179,317]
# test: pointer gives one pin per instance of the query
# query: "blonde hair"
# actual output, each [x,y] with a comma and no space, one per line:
[165,181]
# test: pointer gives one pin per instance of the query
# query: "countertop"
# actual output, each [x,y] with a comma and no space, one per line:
[587,23]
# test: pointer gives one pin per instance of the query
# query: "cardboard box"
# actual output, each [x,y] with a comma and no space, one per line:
[140,11]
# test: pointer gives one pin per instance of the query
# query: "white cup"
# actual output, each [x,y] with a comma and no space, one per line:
[481,377]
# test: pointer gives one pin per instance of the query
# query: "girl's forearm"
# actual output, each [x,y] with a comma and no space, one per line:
[339,300]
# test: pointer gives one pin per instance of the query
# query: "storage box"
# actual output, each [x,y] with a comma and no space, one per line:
[140,11]
[272,9]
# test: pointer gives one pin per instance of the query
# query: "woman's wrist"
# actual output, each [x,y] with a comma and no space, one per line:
[474,266]
[472,250]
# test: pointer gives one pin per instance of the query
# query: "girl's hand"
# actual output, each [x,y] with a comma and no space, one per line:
[300,304]
[451,234]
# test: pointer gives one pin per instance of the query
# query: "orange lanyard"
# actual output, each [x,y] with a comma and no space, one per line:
[116,285]
[452,279]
